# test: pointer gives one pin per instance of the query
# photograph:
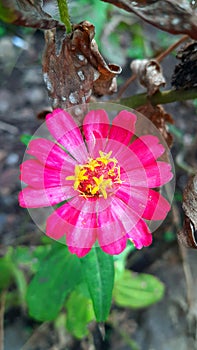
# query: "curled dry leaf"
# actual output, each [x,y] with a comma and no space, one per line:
[187,235]
[185,73]
[77,70]
[176,17]
[28,13]
[149,73]
[159,117]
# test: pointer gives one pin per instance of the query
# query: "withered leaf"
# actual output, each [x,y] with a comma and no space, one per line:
[28,13]
[185,73]
[42,114]
[76,70]
[176,17]
[149,73]
[187,235]
[159,117]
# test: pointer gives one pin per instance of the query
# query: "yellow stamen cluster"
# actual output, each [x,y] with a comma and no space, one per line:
[98,177]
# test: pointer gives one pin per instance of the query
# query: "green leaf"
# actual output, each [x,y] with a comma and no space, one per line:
[11,273]
[120,259]
[137,290]
[26,138]
[6,277]
[57,276]
[98,270]
[22,255]
[21,284]
[79,313]
[6,14]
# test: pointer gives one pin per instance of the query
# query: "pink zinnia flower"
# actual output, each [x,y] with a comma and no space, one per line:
[105,179]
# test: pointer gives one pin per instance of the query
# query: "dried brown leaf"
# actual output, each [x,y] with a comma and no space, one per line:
[149,73]
[30,13]
[159,117]
[176,17]
[185,73]
[76,70]
[187,235]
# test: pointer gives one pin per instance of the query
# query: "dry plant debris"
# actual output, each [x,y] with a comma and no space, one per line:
[187,235]
[76,70]
[159,117]
[185,73]
[150,74]
[175,17]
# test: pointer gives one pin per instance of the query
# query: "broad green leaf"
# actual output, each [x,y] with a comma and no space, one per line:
[79,313]
[137,290]
[57,276]
[39,254]
[24,256]
[98,270]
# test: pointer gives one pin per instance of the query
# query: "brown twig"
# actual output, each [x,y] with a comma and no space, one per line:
[2,309]
[126,84]
[165,53]
[159,58]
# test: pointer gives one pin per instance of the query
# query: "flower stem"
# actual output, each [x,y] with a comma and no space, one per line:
[163,97]
[64,14]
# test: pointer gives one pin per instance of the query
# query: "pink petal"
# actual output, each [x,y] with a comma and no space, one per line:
[147,148]
[63,128]
[154,175]
[127,216]
[123,127]
[32,173]
[116,247]
[119,220]
[126,158]
[96,129]
[77,220]
[37,176]
[140,235]
[48,153]
[110,228]
[55,225]
[78,251]
[158,174]
[157,206]
[37,198]
[147,203]
[135,197]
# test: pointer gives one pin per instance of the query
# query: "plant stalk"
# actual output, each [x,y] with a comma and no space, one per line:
[163,97]
[64,14]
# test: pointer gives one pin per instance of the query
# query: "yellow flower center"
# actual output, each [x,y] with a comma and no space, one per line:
[98,177]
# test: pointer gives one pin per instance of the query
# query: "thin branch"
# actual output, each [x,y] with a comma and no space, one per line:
[126,84]
[2,310]
[159,58]
[64,14]
[165,53]
[163,97]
